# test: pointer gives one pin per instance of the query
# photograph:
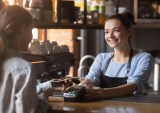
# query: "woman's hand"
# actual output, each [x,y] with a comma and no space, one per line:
[93,93]
[66,83]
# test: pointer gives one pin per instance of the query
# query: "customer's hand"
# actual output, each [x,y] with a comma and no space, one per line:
[48,93]
[61,84]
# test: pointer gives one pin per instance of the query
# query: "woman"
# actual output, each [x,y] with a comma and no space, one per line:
[17,78]
[122,72]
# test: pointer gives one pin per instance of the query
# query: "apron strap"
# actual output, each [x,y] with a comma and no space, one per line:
[107,63]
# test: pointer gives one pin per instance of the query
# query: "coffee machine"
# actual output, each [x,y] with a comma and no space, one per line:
[50,66]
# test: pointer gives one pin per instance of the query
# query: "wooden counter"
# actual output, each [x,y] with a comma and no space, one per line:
[106,106]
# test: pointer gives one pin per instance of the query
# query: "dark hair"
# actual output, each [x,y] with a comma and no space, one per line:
[123,18]
[129,16]
[12,18]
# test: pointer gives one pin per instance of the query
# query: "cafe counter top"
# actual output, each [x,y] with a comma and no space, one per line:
[138,104]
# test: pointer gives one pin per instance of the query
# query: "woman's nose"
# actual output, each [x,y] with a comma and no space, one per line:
[109,35]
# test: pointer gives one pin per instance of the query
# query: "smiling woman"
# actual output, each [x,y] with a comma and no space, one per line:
[121,72]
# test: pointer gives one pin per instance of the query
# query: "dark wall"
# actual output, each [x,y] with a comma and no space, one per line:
[146,38]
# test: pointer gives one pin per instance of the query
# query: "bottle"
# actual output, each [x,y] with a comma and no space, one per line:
[80,4]
[94,5]
[36,9]
[88,5]
[54,11]
[25,3]
[1,4]
[101,10]
[94,11]
[110,8]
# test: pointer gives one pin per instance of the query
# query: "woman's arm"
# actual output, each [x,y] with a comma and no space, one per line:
[122,90]
[101,93]
[141,71]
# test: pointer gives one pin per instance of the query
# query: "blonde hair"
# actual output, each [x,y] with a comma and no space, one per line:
[12,18]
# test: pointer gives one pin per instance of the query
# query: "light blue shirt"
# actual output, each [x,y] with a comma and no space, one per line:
[40,88]
[141,67]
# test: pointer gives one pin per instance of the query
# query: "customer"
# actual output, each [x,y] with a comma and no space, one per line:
[17,78]
[121,72]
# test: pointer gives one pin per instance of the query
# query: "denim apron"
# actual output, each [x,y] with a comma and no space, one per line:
[108,82]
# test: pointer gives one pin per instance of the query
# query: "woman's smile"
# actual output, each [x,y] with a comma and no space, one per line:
[112,42]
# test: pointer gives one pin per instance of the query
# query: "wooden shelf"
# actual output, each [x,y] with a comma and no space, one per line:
[59,25]
[147,25]
[51,25]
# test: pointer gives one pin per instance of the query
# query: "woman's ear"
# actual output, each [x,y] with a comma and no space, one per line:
[23,29]
[129,31]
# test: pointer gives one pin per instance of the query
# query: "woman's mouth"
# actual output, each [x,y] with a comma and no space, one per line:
[113,41]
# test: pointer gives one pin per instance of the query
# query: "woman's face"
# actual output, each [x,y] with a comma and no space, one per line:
[116,35]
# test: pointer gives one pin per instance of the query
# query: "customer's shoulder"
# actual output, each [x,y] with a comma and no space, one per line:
[17,62]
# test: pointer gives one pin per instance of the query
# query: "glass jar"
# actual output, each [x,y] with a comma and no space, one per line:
[54,10]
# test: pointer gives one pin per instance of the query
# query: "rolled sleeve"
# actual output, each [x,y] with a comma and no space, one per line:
[95,71]
[141,73]
[44,87]
[97,67]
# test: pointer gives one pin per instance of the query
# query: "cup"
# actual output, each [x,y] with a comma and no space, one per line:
[46,44]
[64,48]
[54,43]
[34,47]
[56,49]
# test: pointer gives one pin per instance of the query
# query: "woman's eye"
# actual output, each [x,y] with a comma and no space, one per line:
[117,30]
[106,32]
